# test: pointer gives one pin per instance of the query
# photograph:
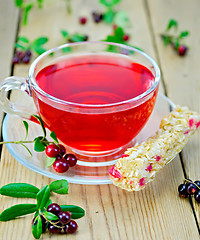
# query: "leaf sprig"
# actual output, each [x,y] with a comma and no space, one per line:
[176,39]
[37,45]
[42,196]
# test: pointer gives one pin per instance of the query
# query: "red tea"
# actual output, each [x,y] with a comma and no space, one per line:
[96,80]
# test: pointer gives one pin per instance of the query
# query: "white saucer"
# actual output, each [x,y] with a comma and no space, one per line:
[82,173]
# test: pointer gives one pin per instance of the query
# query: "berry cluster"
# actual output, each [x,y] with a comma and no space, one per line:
[22,57]
[64,223]
[62,160]
[189,188]
[96,17]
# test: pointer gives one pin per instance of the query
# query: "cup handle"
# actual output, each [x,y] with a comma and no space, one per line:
[14,83]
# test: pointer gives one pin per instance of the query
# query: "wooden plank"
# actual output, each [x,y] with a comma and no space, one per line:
[8,28]
[111,213]
[181,75]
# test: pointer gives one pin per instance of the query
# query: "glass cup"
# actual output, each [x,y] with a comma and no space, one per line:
[91,119]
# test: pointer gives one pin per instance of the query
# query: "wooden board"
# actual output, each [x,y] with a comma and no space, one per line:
[157,212]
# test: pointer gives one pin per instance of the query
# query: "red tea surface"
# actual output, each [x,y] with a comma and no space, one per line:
[95,79]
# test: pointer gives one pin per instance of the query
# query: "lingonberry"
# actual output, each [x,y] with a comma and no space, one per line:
[197,196]
[182,50]
[97,17]
[56,227]
[71,227]
[61,165]
[182,189]
[126,37]
[64,217]
[44,223]
[82,20]
[52,150]
[62,150]
[54,208]
[71,159]
[191,188]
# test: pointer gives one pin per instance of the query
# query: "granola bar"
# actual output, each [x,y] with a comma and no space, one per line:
[139,164]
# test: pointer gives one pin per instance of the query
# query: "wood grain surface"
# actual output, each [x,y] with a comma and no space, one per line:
[157,212]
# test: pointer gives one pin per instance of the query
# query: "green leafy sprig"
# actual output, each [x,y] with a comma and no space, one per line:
[42,196]
[37,45]
[175,39]
[111,16]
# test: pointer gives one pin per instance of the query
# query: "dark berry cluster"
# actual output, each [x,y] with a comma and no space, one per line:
[64,223]
[189,188]
[62,160]
[22,57]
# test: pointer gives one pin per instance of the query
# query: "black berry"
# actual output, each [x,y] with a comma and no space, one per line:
[61,165]
[191,188]
[97,17]
[197,183]
[71,227]
[71,159]
[182,189]
[197,196]
[16,59]
[64,217]
[26,59]
[54,208]
[56,227]
[52,150]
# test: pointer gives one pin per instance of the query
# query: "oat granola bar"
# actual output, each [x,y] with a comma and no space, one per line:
[138,165]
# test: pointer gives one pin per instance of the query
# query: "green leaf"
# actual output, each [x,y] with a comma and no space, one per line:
[26,148]
[19,190]
[26,12]
[172,23]
[166,39]
[17,45]
[109,3]
[26,127]
[119,33]
[50,161]
[121,19]
[109,16]
[77,212]
[38,145]
[77,37]
[48,203]
[37,227]
[41,124]
[50,216]
[40,3]
[38,49]
[40,41]
[23,39]
[17,211]
[184,34]
[59,186]
[43,197]
[53,136]
[64,33]
[19,3]
[66,49]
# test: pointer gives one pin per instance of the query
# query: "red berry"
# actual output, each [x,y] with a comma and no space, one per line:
[26,59]
[62,150]
[114,26]
[71,227]
[52,150]
[182,50]
[16,59]
[64,217]
[54,208]
[71,159]
[61,165]
[82,20]
[126,37]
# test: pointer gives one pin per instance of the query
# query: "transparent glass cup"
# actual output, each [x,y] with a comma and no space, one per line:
[96,132]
